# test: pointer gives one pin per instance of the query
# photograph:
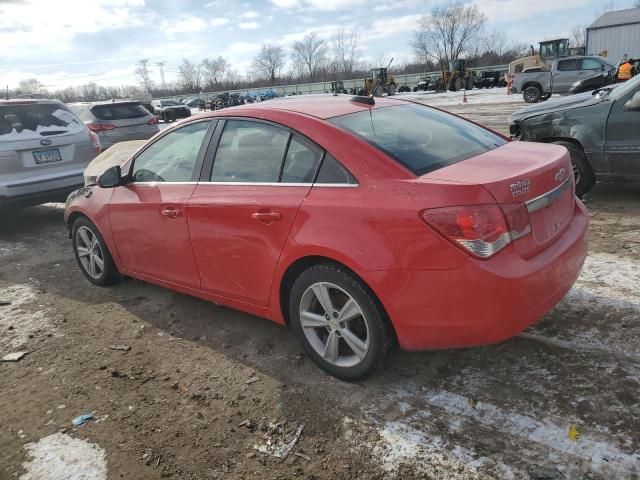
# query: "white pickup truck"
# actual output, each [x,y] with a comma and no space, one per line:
[540,83]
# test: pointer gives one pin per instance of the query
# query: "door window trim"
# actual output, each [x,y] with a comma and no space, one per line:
[197,168]
[212,149]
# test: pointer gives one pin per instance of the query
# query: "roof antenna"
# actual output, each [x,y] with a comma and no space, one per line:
[369,100]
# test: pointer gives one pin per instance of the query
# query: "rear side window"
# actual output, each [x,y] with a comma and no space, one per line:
[420,138]
[119,112]
[301,163]
[567,65]
[249,152]
[42,118]
[591,64]
[333,172]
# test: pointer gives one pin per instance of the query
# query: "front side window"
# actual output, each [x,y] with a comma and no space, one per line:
[173,157]
[420,138]
[591,64]
[250,152]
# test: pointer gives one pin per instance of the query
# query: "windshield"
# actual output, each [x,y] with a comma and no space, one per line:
[122,111]
[40,118]
[420,138]
[168,103]
[628,86]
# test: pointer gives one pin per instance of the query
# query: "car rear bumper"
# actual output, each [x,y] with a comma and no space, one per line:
[35,190]
[482,302]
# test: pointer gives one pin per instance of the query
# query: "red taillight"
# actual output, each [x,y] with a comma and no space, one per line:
[153,121]
[95,143]
[100,127]
[482,230]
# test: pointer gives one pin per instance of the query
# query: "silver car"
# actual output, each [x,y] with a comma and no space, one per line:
[44,149]
[117,121]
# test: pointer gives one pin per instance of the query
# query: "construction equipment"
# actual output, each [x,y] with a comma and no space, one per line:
[337,86]
[458,76]
[549,50]
[424,83]
[381,81]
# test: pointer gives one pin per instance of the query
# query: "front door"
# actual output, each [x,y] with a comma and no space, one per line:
[240,219]
[147,215]
[622,144]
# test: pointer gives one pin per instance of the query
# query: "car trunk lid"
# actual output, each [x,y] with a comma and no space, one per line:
[539,176]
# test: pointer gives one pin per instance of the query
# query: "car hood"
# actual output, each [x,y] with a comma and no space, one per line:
[118,154]
[564,103]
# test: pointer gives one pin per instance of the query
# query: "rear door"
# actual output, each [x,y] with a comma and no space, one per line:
[622,145]
[41,142]
[241,213]
[147,215]
[567,72]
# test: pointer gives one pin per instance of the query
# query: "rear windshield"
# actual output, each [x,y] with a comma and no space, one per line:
[167,103]
[42,118]
[420,138]
[119,112]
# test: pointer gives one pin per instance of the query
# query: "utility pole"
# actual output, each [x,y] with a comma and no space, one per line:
[161,66]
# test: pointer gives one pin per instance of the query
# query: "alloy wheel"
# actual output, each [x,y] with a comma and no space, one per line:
[89,252]
[334,324]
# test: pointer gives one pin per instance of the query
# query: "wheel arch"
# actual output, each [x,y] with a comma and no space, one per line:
[533,84]
[299,265]
[571,140]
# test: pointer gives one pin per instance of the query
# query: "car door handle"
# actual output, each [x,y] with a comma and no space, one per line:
[171,212]
[266,217]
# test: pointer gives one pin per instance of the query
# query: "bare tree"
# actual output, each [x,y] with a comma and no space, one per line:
[269,62]
[578,36]
[89,91]
[310,55]
[346,51]
[213,70]
[190,75]
[31,86]
[142,70]
[448,33]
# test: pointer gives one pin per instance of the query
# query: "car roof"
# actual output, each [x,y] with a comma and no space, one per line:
[321,106]
[27,101]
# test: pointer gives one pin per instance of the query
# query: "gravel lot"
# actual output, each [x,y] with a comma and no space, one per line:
[559,401]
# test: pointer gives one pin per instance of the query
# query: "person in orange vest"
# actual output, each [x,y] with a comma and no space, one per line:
[625,70]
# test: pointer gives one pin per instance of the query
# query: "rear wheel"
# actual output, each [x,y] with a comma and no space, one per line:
[92,254]
[338,321]
[532,94]
[582,172]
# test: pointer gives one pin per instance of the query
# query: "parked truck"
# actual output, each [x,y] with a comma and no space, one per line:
[539,83]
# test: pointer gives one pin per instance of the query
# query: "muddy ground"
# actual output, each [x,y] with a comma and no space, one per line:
[560,401]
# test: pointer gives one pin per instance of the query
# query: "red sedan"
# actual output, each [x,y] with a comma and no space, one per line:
[358,225]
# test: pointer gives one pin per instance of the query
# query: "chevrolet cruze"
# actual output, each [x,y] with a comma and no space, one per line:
[360,225]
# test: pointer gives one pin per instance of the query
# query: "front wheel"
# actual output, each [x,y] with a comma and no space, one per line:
[582,172]
[92,254]
[339,322]
[532,94]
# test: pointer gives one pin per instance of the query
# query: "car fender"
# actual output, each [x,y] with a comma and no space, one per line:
[93,203]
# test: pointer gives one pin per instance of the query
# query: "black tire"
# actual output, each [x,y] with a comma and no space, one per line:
[109,274]
[378,331]
[532,94]
[583,173]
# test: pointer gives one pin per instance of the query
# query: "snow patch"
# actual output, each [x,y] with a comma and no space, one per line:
[612,279]
[23,321]
[61,457]
[9,248]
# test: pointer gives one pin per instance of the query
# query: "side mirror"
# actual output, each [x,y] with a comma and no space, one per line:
[111,178]
[633,104]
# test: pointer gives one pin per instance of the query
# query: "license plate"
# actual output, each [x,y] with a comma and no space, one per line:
[47,156]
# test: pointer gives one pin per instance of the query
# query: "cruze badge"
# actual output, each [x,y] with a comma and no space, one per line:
[520,188]
[560,174]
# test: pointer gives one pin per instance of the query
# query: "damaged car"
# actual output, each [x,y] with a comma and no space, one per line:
[360,223]
[599,129]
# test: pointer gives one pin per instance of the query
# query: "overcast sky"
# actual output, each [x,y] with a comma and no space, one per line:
[70,42]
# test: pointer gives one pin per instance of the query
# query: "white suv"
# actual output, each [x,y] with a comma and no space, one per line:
[44,149]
